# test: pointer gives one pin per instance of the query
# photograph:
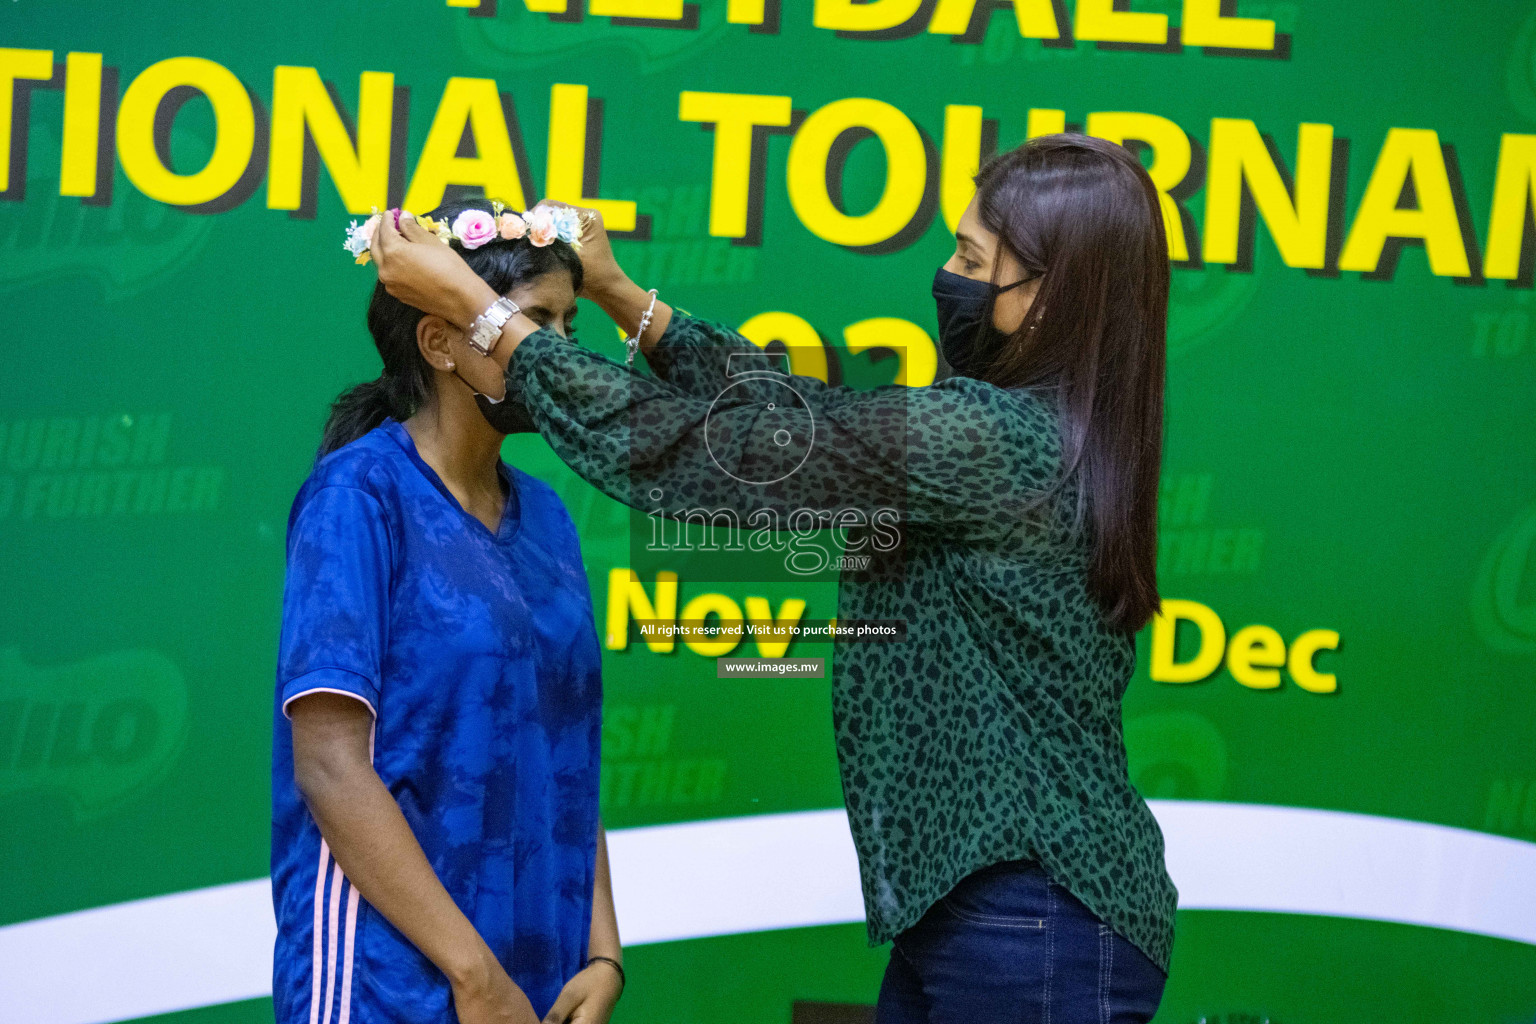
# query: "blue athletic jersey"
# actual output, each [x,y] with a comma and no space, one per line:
[478,655]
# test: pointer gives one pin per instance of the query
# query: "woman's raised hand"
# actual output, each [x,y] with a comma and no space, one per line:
[601,273]
[419,270]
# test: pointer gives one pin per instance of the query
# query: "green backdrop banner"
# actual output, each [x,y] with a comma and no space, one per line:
[1347,519]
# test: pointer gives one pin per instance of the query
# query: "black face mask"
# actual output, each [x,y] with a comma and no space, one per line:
[966,335]
[507,416]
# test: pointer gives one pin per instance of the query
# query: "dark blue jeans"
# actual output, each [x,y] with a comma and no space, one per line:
[1010,946]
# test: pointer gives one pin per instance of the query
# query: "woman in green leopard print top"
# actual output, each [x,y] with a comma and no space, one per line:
[1001,843]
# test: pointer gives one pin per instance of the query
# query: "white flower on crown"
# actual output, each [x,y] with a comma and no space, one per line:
[360,239]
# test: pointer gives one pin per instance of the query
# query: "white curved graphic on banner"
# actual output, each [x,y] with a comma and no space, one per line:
[733,875]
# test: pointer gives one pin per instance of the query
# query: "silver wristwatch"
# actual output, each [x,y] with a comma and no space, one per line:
[487,326]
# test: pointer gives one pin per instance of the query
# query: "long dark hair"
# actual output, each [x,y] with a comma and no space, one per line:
[1083,212]
[406,382]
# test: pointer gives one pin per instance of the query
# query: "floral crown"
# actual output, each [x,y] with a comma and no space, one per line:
[473,228]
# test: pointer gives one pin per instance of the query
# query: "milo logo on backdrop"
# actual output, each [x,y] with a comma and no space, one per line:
[1504,596]
[1203,302]
[91,732]
[125,242]
[1520,69]
[507,35]
[1176,755]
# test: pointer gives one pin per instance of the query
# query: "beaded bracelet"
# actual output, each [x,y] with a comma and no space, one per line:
[633,344]
[612,963]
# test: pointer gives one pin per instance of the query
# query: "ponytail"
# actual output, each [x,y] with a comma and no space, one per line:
[362,408]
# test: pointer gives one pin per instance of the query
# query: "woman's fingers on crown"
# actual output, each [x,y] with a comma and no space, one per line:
[592,225]
[379,243]
[413,231]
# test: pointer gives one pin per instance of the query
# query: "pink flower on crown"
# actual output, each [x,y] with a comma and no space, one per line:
[512,226]
[474,228]
[541,225]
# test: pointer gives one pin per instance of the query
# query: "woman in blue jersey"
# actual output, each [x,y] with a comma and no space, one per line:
[436,849]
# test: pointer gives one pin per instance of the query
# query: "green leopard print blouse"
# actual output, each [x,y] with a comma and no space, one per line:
[993,730]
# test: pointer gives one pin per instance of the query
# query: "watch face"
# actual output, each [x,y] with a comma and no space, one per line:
[487,326]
